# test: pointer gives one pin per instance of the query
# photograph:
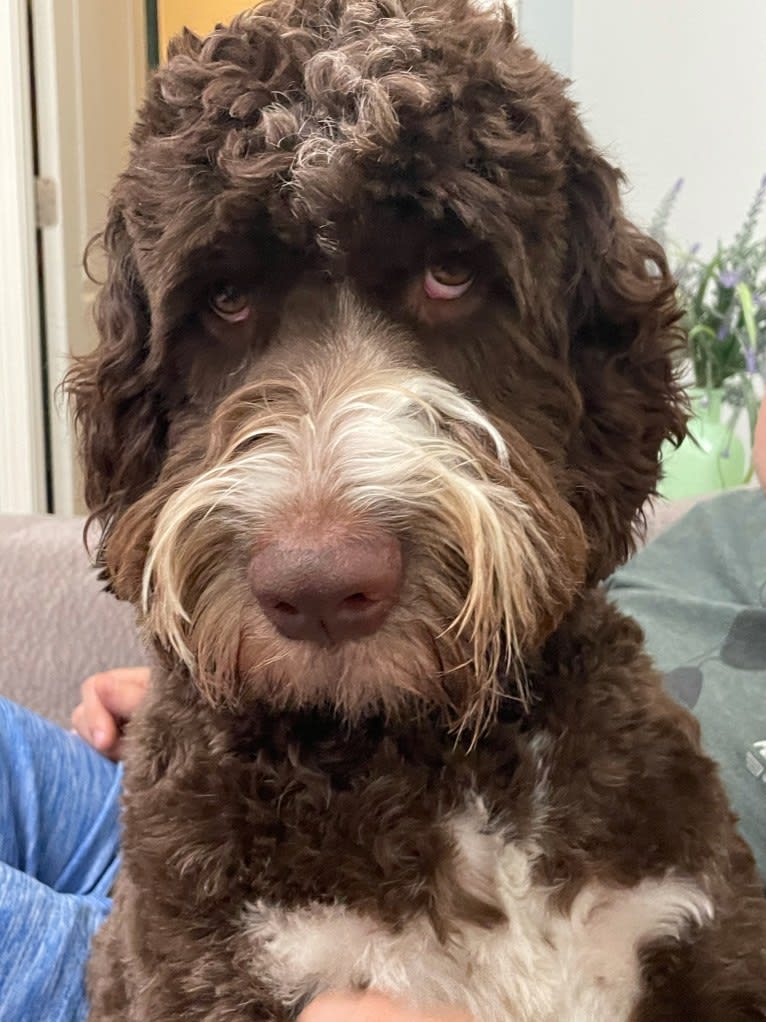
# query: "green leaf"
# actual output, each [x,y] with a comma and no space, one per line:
[701,329]
[748,311]
[710,269]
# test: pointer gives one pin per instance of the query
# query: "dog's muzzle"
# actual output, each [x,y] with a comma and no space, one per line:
[356,529]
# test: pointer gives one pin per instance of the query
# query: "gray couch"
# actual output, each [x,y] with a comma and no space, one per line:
[57,625]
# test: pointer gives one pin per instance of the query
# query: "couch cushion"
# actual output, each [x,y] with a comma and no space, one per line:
[57,625]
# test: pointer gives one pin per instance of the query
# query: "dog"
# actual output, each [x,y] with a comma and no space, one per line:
[383,376]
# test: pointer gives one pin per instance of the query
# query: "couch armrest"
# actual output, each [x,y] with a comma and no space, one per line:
[57,625]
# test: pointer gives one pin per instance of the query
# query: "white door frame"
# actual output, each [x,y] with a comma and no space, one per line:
[59,157]
[85,52]
[22,417]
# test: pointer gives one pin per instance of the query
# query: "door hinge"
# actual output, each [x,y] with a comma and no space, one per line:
[46,202]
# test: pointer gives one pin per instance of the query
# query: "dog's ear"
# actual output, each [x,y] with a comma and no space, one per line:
[117,406]
[623,328]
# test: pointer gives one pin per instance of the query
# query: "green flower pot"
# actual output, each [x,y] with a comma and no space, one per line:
[710,458]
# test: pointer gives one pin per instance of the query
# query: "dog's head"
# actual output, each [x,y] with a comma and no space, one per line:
[384,371]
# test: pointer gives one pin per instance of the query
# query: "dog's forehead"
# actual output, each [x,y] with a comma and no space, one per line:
[312,116]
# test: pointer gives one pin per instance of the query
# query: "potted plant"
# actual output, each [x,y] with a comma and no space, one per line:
[724,298]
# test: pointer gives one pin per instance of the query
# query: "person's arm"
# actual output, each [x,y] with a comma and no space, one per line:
[373,1006]
[109,700]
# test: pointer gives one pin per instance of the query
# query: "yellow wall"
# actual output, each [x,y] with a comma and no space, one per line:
[199,15]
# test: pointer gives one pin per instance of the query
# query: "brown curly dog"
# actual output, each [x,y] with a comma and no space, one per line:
[383,377]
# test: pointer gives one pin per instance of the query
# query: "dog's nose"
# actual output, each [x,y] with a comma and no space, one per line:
[328,591]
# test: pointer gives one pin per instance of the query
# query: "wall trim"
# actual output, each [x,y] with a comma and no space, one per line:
[22,421]
[60,156]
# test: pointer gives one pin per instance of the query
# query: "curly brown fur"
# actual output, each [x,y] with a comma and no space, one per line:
[493,776]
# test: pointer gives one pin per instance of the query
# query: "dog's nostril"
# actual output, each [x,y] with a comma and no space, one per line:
[357,601]
[285,608]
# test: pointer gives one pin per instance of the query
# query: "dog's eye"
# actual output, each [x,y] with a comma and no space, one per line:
[230,303]
[447,280]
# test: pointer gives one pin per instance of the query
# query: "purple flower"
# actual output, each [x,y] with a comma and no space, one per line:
[691,254]
[751,363]
[730,278]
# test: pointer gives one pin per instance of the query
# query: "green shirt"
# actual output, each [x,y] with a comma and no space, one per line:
[699,592]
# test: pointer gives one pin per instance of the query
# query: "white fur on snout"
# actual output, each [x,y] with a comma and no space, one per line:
[375,443]
[543,965]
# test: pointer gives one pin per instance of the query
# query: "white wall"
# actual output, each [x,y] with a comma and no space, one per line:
[677,88]
[547,26]
[670,88]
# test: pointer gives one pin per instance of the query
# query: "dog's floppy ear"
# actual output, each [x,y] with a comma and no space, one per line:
[117,407]
[623,326]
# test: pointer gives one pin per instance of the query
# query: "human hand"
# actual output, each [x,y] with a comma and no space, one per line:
[373,1006]
[109,700]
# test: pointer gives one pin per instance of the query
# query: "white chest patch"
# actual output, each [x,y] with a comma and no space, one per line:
[539,966]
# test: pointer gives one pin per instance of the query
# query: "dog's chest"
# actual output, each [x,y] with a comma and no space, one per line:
[537,964]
